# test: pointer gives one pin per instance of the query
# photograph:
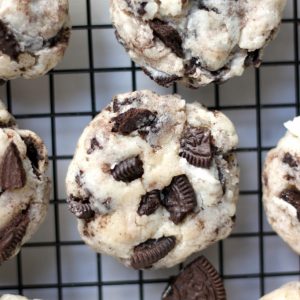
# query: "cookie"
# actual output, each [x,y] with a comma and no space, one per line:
[24,187]
[195,42]
[33,37]
[289,291]
[198,280]
[14,297]
[154,179]
[281,186]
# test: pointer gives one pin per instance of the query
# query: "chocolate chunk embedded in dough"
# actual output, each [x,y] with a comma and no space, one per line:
[290,160]
[133,119]
[81,208]
[128,169]
[12,172]
[94,146]
[179,198]
[198,281]
[196,147]
[151,251]
[62,37]
[33,153]
[149,203]
[141,10]
[12,235]
[8,42]
[168,35]
[292,196]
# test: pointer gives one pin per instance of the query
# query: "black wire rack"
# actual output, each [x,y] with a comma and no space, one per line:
[256,148]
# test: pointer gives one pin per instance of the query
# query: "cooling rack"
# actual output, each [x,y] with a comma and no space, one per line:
[56,265]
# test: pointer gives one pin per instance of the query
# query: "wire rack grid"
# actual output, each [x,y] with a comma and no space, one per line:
[55,264]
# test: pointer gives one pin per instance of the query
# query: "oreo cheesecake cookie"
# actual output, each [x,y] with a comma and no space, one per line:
[154,179]
[195,42]
[198,280]
[24,186]
[281,186]
[33,37]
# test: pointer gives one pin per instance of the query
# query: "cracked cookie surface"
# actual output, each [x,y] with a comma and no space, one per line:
[281,186]
[24,187]
[195,42]
[151,206]
[33,37]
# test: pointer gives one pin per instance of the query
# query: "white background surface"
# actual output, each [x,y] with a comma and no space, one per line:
[73,94]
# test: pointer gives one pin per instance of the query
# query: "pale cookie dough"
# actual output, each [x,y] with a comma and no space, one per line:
[33,37]
[24,187]
[154,179]
[195,41]
[281,186]
[289,291]
[14,297]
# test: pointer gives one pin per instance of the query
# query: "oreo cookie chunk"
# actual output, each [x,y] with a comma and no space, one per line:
[24,187]
[161,184]
[34,42]
[195,42]
[198,280]
[281,186]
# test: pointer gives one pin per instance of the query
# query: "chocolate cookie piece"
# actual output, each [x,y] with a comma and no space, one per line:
[281,186]
[128,169]
[151,251]
[12,235]
[292,196]
[81,208]
[198,280]
[8,42]
[149,203]
[195,42]
[94,146]
[12,173]
[196,147]
[141,188]
[290,160]
[24,186]
[168,35]
[34,45]
[132,120]
[179,198]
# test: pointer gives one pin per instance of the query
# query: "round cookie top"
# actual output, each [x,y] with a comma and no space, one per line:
[33,37]
[24,187]
[195,41]
[281,186]
[154,179]
[289,291]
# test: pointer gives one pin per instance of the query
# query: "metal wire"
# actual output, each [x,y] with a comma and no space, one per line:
[55,158]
